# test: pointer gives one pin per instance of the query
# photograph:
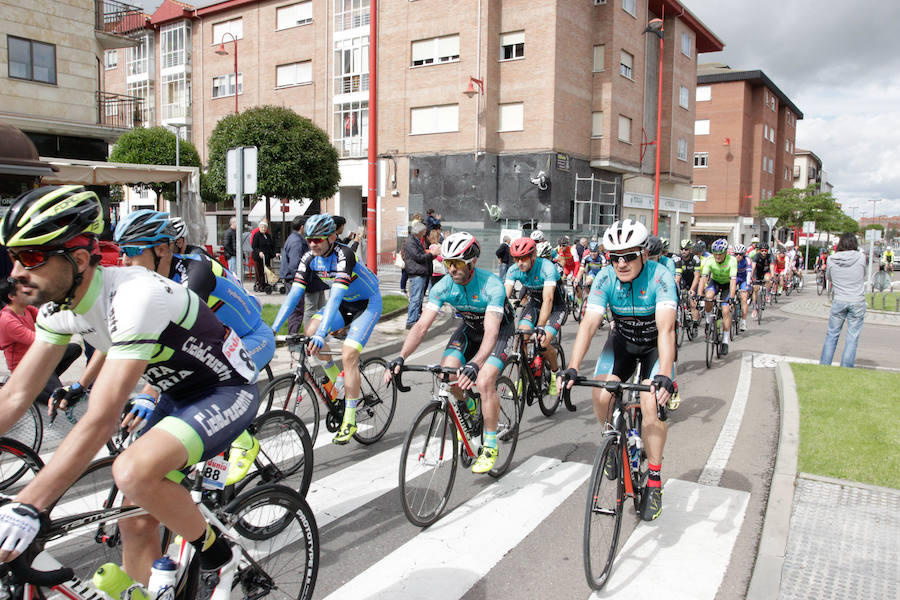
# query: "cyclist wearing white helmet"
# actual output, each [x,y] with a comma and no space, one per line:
[537,235]
[744,278]
[179,234]
[719,278]
[641,295]
[478,346]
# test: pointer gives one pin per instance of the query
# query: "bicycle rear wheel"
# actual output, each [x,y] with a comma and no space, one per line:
[603,512]
[29,429]
[377,402]
[18,465]
[279,539]
[820,283]
[507,426]
[285,451]
[287,392]
[428,465]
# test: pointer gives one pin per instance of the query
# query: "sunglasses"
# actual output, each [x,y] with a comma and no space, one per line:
[32,259]
[132,251]
[627,257]
[455,263]
[316,240]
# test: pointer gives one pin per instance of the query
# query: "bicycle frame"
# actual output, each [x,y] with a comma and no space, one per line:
[304,372]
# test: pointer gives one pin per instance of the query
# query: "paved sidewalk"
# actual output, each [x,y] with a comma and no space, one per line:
[808,304]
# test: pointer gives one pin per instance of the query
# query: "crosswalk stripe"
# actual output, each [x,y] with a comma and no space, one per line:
[685,552]
[421,568]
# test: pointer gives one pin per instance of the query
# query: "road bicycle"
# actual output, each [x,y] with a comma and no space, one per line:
[302,391]
[762,294]
[684,322]
[821,283]
[737,313]
[610,484]
[271,526]
[575,299]
[526,366]
[713,332]
[431,453]
[29,429]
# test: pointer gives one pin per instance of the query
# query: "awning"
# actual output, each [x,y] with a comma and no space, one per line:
[90,172]
[297,208]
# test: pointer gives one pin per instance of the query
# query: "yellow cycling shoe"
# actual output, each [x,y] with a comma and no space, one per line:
[241,456]
[345,434]
[486,459]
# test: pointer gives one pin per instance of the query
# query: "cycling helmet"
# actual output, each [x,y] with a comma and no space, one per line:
[563,241]
[740,249]
[789,244]
[594,247]
[179,228]
[719,246]
[51,216]
[755,239]
[625,234]
[665,243]
[144,227]
[544,250]
[522,247]
[460,246]
[319,226]
[763,246]
[686,244]
[537,235]
[700,246]
[654,246]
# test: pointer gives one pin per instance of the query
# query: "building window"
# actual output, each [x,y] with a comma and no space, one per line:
[599,58]
[771,166]
[141,89]
[701,127]
[31,60]
[701,160]
[699,193]
[626,64]
[435,50]
[434,119]
[512,117]
[223,85]
[685,43]
[597,124]
[629,7]
[350,14]
[111,59]
[351,128]
[599,2]
[704,93]
[175,97]
[682,149]
[624,129]
[235,27]
[351,65]
[137,58]
[512,45]
[684,96]
[293,15]
[787,173]
[765,131]
[174,38]
[293,74]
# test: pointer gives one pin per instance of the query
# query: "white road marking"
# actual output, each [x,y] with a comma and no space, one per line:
[718,458]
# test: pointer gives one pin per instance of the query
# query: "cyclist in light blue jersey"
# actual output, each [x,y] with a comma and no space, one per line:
[744,280]
[355,300]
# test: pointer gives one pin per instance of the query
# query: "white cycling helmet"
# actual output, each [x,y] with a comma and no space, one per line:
[625,234]
[740,249]
[537,235]
[460,246]
[544,250]
[789,244]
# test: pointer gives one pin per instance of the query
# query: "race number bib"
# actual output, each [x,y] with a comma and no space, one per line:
[238,358]
[215,470]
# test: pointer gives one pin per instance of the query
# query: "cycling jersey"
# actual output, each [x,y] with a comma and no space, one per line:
[541,274]
[779,263]
[743,272]
[592,266]
[720,272]
[566,259]
[669,264]
[761,263]
[634,304]
[222,292]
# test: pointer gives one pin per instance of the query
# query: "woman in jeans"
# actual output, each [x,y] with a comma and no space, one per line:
[846,271]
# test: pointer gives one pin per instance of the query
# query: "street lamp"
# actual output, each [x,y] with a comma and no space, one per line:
[655,26]
[222,51]
[872,244]
[470,91]
[178,127]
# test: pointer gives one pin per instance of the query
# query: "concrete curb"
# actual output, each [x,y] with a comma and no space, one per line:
[765,583]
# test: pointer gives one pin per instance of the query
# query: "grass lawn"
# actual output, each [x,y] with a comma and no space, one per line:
[390,302]
[848,423]
[890,301]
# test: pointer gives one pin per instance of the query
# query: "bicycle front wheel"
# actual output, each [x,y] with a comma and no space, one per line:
[279,540]
[603,512]
[820,284]
[507,426]
[29,429]
[377,401]
[287,392]
[711,343]
[548,402]
[18,465]
[285,451]
[428,465]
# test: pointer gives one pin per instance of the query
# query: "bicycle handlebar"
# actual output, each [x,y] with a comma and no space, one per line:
[621,386]
[24,572]
[303,340]
[434,369]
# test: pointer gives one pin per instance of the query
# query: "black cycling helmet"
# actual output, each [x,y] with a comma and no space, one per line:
[654,246]
[762,246]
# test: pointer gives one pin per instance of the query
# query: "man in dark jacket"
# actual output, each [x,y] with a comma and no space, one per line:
[418,265]
[503,256]
[229,243]
[294,247]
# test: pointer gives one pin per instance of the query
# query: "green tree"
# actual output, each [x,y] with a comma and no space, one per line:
[793,206]
[154,146]
[877,226]
[295,158]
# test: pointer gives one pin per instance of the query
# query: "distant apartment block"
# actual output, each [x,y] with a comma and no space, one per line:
[808,170]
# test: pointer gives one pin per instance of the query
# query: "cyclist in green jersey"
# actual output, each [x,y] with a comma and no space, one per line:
[719,274]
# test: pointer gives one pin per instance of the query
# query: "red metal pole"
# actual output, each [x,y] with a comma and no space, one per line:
[658,131]
[371,199]
[235,76]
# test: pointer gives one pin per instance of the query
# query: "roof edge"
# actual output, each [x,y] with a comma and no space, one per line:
[707,41]
[754,75]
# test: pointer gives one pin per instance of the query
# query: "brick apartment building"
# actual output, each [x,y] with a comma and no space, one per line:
[743,150]
[476,100]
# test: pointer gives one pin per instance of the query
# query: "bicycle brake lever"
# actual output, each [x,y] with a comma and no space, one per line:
[397,377]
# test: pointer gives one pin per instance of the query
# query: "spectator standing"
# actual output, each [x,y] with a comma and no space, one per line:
[417,217]
[432,221]
[229,244]
[246,249]
[434,238]
[503,257]
[295,246]
[351,240]
[846,270]
[263,252]
[418,266]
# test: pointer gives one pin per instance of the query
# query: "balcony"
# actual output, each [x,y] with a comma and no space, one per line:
[116,23]
[120,111]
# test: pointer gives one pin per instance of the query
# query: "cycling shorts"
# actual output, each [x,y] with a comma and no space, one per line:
[363,314]
[687,278]
[723,289]
[620,358]
[260,345]
[743,286]
[207,424]
[529,317]
[466,341]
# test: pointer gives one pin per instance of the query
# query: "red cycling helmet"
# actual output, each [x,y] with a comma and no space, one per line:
[522,247]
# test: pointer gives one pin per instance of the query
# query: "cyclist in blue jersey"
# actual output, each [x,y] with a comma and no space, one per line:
[355,300]
[744,280]
[641,295]
[591,263]
[546,308]
[478,347]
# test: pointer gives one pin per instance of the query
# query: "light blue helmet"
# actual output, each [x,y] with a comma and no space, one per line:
[144,227]
[319,226]
[594,247]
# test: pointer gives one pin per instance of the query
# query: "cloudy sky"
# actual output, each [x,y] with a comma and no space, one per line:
[839,63]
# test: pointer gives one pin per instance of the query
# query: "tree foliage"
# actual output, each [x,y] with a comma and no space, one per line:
[793,206]
[877,226]
[295,157]
[154,146]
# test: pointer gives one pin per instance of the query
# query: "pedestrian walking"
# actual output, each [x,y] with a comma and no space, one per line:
[503,257]
[846,270]
[263,252]
[418,266]
[294,248]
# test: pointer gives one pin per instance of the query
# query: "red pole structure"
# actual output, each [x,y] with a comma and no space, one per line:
[235,75]
[658,129]
[371,199]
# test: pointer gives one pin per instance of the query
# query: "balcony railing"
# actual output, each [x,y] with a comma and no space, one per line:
[117,110]
[118,18]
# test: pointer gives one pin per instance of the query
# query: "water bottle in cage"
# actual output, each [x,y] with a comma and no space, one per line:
[635,445]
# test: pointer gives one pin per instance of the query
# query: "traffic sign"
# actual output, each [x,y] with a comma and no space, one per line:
[285,208]
[770,221]
[249,170]
[873,235]
[809,226]
[285,201]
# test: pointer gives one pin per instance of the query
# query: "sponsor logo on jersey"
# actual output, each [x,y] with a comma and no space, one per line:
[203,352]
